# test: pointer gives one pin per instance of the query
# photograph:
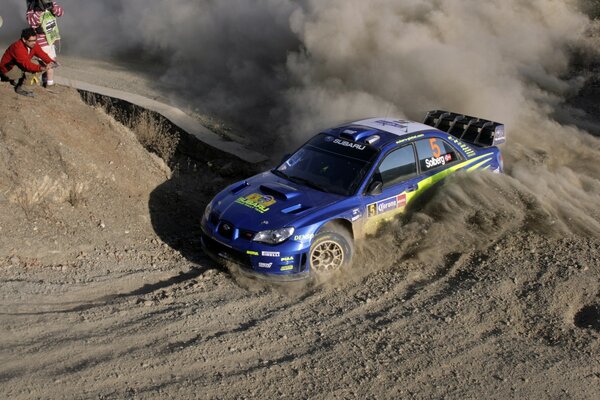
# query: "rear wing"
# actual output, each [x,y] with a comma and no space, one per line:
[477,131]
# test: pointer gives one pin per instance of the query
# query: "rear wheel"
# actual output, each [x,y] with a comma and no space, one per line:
[331,250]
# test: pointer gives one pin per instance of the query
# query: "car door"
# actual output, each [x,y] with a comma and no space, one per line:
[436,158]
[399,178]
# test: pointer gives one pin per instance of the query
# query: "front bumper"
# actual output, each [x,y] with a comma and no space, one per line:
[266,263]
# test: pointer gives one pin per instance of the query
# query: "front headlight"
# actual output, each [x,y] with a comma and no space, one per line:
[275,236]
[207,211]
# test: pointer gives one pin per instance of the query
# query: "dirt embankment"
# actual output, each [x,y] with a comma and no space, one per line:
[104,292]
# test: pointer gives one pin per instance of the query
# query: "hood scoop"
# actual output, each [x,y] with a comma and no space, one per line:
[279,191]
[239,187]
[295,209]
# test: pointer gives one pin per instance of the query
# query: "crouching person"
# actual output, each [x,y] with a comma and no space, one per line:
[17,66]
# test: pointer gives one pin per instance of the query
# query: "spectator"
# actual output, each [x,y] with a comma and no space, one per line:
[42,16]
[16,64]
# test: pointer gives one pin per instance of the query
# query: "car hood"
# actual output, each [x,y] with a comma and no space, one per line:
[266,201]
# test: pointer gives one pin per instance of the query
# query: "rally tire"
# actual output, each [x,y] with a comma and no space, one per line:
[330,251]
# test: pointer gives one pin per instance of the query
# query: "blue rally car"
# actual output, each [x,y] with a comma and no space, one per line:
[302,217]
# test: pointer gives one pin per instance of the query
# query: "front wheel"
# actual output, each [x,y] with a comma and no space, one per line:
[330,251]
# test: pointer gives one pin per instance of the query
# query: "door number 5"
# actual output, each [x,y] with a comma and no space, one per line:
[435,149]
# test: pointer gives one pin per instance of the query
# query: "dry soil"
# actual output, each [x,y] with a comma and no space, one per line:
[105,293]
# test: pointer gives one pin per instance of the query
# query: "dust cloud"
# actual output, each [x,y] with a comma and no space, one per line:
[284,69]
[509,61]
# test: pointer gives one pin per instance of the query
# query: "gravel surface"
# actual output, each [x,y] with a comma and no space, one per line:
[482,292]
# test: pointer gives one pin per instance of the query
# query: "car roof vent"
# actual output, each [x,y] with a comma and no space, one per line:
[357,133]
[372,139]
[349,134]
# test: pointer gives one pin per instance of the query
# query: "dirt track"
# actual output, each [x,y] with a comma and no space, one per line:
[105,294]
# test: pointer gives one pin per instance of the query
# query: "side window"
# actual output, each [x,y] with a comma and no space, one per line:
[398,166]
[434,153]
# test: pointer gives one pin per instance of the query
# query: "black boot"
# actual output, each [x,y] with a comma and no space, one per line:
[23,92]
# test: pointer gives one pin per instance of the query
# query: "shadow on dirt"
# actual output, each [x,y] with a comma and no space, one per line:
[589,317]
[176,206]
[199,171]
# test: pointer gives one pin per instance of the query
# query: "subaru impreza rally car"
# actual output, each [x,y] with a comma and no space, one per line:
[302,217]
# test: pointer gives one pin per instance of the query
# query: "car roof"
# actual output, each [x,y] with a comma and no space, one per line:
[385,129]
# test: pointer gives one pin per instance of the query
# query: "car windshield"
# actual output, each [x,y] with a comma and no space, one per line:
[329,164]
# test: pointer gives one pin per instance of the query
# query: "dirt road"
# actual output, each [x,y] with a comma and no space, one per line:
[105,294]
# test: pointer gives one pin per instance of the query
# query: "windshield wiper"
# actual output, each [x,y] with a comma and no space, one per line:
[300,180]
[280,174]
[308,183]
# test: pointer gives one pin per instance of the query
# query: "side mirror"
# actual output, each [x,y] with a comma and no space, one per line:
[375,188]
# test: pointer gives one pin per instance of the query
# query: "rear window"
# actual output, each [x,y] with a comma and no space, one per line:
[435,153]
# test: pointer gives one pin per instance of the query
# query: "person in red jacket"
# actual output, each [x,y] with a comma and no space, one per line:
[42,16]
[16,64]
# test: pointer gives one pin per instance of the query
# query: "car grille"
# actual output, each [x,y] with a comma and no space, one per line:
[213,218]
[226,229]
[248,235]
[223,251]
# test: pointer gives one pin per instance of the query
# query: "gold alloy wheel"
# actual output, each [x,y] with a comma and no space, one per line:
[328,256]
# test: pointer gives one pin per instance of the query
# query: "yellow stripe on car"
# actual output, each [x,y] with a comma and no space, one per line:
[372,223]
[479,164]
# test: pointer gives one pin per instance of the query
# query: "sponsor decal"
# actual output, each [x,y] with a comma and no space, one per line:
[355,218]
[270,254]
[401,199]
[287,268]
[257,202]
[499,135]
[349,131]
[386,205]
[408,139]
[372,209]
[264,265]
[286,259]
[252,253]
[329,138]
[435,161]
[469,151]
[304,238]
[349,144]
[401,124]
